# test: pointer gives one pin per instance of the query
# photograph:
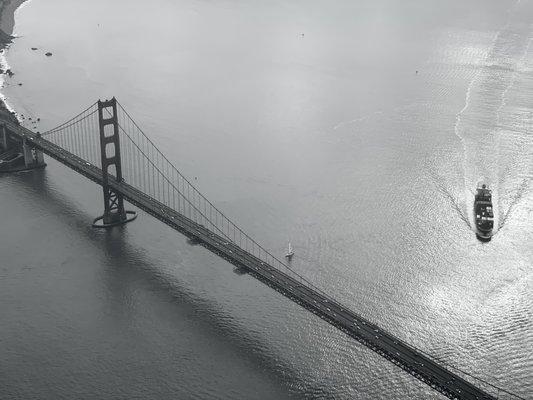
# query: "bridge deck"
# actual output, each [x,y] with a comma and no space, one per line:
[382,342]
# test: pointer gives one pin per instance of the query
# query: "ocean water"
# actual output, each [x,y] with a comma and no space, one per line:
[303,121]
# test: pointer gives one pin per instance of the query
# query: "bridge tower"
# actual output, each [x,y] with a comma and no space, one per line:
[114,212]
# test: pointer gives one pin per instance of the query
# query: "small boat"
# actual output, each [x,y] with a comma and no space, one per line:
[290,252]
[484,213]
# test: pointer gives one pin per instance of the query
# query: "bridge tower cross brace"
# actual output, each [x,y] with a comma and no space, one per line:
[114,212]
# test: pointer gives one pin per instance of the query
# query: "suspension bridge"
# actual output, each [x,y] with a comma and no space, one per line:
[104,144]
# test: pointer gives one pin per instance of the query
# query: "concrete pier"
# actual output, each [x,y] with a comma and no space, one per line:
[33,158]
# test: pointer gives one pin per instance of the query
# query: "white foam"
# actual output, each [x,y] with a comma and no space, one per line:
[355,120]
[4,65]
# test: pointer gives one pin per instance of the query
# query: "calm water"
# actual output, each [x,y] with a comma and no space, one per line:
[303,120]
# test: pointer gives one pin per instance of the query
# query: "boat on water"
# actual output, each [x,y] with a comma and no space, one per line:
[484,213]
[290,252]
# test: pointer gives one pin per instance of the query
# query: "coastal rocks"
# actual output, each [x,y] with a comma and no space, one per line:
[32,123]
[9,72]
[5,38]
[47,54]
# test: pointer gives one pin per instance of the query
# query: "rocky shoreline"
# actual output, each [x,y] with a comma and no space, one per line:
[7,23]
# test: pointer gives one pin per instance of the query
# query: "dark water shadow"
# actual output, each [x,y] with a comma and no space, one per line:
[210,315]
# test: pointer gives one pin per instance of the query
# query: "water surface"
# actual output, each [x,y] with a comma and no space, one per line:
[303,121]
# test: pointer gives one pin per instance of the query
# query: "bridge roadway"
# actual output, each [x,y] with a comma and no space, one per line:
[382,342]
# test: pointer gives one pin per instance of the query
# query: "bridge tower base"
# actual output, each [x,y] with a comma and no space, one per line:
[114,212]
[33,158]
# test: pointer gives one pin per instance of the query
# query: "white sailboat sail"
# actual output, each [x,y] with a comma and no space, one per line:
[290,252]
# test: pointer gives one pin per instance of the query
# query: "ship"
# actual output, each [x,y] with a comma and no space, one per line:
[484,213]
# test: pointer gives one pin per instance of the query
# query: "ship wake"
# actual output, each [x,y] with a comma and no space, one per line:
[495,125]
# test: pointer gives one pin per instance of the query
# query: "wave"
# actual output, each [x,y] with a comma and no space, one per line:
[482,123]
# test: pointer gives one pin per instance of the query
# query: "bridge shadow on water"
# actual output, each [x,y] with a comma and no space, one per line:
[211,317]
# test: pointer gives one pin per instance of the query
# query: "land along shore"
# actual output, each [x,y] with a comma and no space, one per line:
[7,15]
[7,23]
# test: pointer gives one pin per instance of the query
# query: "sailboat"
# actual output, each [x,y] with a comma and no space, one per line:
[290,252]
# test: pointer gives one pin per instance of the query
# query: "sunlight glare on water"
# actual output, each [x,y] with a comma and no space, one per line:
[356,130]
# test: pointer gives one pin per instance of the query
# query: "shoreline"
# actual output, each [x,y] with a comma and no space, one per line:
[7,24]
[7,15]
